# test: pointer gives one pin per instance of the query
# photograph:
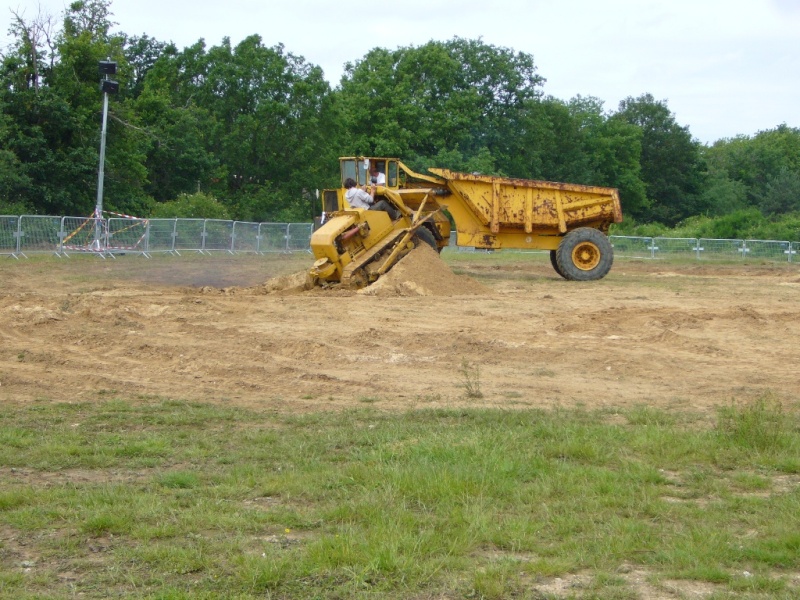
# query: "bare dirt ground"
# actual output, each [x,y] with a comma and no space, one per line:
[223,329]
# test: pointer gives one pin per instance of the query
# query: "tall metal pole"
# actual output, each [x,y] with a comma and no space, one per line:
[106,67]
[99,207]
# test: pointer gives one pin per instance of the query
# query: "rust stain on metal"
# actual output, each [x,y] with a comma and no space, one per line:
[488,240]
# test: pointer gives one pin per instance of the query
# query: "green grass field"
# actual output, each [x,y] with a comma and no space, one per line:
[154,498]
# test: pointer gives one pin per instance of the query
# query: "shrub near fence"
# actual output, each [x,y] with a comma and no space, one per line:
[31,234]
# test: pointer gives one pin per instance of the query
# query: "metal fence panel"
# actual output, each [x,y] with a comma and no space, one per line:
[768,250]
[9,235]
[218,235]
[273,236]
[127,235]
[675,247]
[298,236]
[189,234]
[245,237]
[632,247]
[720,249]
[83,234]
[40,234]
[161,235]
[34,233]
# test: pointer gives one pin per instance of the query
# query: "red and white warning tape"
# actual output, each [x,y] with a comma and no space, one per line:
[123,216]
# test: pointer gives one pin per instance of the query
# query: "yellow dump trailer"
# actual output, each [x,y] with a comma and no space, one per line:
[356,246]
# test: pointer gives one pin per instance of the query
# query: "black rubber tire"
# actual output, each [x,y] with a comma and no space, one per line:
[585,254]
[423,235]
[554,262]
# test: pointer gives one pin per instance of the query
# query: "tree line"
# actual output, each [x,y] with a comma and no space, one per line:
[250,131]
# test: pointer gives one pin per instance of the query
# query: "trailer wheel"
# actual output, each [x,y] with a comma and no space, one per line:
[554,262]
[423,235]
[585,254]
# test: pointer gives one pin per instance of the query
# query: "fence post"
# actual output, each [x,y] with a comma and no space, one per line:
[173,250]
[61,235]
[18,235]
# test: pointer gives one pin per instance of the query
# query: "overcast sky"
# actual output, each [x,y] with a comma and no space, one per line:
[725,67]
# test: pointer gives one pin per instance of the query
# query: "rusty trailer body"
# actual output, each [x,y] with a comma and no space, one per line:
[500,212]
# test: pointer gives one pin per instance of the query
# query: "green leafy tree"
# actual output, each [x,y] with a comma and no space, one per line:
[761,165]
[723,195]
[251,123]
[614,149]
[576,142]
[32,51]
[141,54]
[672,166]
[180,157]
[53,125]
[558,143]
[782,194]
[13,182]
[461,97]
[180,153]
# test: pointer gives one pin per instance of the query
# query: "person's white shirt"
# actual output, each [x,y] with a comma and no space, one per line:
[357,198]
[380,179]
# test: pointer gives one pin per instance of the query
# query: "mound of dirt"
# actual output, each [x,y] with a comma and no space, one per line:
[422,273]
[293,283]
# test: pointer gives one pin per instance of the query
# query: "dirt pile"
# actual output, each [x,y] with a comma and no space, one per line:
[293,283]
[422,273]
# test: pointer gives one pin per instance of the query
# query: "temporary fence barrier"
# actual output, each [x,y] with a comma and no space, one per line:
[770,250]
[677,247]
[161,236]
[31,234]
[9,235]
[298,236]
[126,235]
[705,248]
[633,247]
[721,249]
[273,237]
[217,235]
[244,237]
[82,234]
[40,234]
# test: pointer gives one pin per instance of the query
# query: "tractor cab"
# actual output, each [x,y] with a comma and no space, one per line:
[359,169]
[402,187]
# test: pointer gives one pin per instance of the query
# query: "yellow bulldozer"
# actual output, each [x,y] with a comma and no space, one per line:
[355,246]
